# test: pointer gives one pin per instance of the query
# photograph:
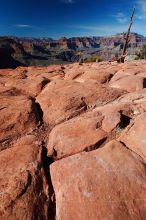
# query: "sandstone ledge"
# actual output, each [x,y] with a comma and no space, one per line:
[72,142]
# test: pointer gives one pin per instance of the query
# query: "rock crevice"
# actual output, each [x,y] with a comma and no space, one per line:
[46,162]
[38,111]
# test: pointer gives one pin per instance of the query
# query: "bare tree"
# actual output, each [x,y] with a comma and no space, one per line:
[126,38]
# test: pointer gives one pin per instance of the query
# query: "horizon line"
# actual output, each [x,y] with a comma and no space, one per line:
[60,37]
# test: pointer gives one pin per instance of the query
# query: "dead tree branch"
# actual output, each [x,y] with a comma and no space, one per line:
[126,38]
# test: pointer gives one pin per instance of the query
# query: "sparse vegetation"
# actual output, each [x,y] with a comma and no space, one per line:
[142,53]
[93,58]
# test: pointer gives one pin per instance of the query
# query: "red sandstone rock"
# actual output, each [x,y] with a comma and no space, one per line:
[129,83]
[135,136]
[28,87]
[142,74]
[88,72]
[50,72]
[137,101]
[23,189]
[17,116]
[111,120]
[76,135]
[108,183]
[128,105]
[62,99]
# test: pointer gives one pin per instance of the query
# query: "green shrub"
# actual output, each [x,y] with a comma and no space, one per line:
[93,58]
[142,53]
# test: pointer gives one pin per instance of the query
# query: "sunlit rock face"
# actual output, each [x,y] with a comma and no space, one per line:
[72,141]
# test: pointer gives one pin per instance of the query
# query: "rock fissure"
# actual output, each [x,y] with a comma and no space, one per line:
[144,83]
[108,78]
[78,75]
[38,111]
[124,121]
[28,183]
[44,83]
[96,146]
[93,147]
[46,162]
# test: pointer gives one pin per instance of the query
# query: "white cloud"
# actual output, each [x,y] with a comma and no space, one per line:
[121,17]
[105,30]
[68,1]
[101,30]
[24,26]
[141,8]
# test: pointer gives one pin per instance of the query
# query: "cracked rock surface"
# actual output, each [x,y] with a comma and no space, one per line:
[108,183]
[73,142]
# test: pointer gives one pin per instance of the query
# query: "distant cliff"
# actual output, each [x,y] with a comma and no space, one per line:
[45,51]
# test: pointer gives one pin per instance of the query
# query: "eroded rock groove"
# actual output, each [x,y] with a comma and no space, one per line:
[47,161]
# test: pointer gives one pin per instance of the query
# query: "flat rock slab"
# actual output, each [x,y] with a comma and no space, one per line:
[76,135]
[22,181]
[65,99]
[108,183]
[129,83]
[135,136]
[132,104]
[17,116]
[81,73]
[29,87]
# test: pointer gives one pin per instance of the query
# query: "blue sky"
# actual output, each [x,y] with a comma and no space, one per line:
[57,18]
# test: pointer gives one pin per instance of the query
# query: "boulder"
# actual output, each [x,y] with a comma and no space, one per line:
[90,71]
[82,133]
[18,117]
[50,72]
[129,83]
[27,86]
[64,99]
[108,183]
[135,136]
[23,188]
